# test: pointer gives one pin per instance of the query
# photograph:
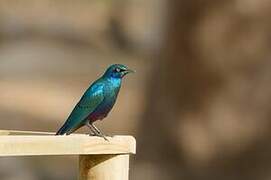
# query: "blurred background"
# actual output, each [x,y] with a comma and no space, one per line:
[199,104]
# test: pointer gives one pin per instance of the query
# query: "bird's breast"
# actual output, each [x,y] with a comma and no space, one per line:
[110,95]
[102,110]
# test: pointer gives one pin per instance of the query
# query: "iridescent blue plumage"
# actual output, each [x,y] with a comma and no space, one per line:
[96,102]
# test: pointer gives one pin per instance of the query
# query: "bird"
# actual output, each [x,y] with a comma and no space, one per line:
[96,102]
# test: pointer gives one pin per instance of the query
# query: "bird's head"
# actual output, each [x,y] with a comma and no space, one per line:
[117,71]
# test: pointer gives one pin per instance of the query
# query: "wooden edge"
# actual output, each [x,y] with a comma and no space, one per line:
[17,132]
[24,143]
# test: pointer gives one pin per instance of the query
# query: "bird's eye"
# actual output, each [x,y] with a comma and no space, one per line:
[117,70]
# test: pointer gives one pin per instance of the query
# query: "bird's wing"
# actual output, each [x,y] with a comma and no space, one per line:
[87,104]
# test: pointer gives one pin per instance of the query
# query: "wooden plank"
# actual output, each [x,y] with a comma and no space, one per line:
[104,167]
[75,144]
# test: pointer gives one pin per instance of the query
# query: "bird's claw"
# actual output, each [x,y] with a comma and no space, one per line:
[99,135]
[103,136]
[95,131]
[91,134]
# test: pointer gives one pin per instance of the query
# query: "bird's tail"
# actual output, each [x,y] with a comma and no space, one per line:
[63,130]
[68,129]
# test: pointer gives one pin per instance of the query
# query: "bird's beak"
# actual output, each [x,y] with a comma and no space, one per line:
[130,71]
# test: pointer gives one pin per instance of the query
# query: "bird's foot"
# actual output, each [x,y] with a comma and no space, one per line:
[96,131]
[108,135]
[103,136]
[99,135]
[91,134]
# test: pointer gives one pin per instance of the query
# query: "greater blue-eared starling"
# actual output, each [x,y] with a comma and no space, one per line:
[96,102]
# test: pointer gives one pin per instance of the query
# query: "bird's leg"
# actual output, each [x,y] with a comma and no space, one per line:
[99,132]
[96,131]
[93,132]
